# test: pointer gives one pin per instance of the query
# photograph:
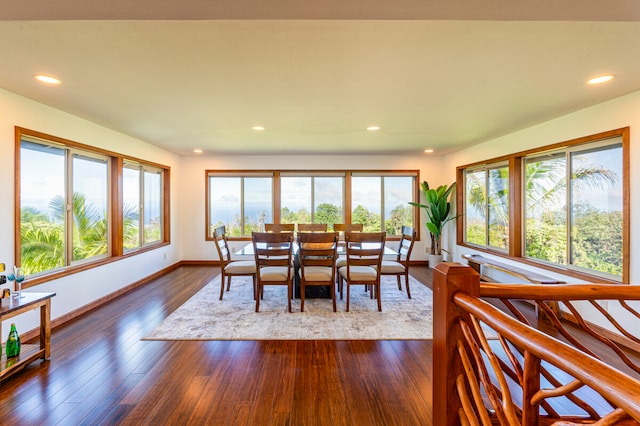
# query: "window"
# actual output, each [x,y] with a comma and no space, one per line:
[69,214]
[487,206]
[242,203]
[311,197]
[562,207]
[383,199]
[573,208]
[142,220]
[64,201]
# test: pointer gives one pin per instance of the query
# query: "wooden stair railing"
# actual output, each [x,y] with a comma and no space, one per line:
[494,368]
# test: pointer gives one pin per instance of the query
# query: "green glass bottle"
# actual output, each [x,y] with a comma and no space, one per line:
[13,343]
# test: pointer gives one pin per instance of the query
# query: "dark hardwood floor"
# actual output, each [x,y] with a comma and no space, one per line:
[100,372]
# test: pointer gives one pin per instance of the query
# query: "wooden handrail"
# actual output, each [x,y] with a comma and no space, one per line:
[617,387]
[463,355]
[560,291]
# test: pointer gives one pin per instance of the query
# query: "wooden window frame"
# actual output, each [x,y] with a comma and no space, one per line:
[115,249]
[516,215]
[277,174]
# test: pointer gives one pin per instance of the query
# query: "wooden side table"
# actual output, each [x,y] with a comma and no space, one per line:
[12,307]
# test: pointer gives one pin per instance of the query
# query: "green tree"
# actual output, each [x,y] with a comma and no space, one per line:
[328,213]
[42,238]
[401,215]
[369,220]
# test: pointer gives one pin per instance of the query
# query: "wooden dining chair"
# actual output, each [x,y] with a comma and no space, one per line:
[279,227]
[312,227]
[317,255]
[400,266]
[364,257]
[273,253]
[342,229]
[228,267]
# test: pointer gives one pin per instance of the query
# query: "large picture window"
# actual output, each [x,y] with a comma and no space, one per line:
[142,205]
[376,198]
[573,208]
[69,210]
[312,199]
[487,206]
[64,200]
[384,200]
[563,206]
[243,203]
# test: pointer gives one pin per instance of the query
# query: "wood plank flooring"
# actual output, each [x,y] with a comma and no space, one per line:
[101,373]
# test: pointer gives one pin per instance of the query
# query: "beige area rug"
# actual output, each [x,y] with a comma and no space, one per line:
[204,317]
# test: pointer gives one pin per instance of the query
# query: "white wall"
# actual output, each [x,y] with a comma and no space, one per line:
[84,287]
[614,114]
[192,184]
[188,185]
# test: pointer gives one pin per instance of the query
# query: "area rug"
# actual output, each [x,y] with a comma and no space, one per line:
[204,317]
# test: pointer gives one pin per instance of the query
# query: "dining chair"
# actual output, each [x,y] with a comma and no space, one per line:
[400,266]
[364,257]
[317,253]
[279,227]
[312,227]
[274,263]
[342,229]
[228,267]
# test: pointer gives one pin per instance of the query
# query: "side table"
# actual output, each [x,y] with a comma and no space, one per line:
[12,307]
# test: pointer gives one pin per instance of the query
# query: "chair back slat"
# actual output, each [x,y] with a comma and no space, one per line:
[343,228]
[312,227]
[406,243]
[222,246]
[279,227]
[317,248]
[272,248]
[364,248]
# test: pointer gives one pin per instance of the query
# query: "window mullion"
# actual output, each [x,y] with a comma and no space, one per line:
[141,209]
[68,208]
[242,183]
[569,206]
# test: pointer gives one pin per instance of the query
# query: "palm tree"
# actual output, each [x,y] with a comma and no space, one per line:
[545,186]
[43,241]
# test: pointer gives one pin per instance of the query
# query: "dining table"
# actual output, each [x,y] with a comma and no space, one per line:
[315,291]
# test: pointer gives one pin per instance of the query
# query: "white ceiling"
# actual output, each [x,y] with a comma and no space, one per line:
[202,74]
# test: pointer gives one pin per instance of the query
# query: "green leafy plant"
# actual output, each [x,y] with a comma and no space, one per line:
[438,209]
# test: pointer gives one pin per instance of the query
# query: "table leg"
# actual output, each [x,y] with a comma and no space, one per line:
[45,328]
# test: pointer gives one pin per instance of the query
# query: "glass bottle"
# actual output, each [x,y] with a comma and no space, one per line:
[13,343]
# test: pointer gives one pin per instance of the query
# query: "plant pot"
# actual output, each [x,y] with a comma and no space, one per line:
[434,259]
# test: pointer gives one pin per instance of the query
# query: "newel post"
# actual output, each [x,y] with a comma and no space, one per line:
[448,278]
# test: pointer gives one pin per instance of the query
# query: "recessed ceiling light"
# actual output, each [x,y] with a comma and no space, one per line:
[197,151]
[373,128]
[47,79]
[428,151]
[601,79]
[258,128]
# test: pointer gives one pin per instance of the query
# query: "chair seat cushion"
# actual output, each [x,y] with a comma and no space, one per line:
[360,273]
[341,261]
[392,267]
[241,267]
[274,273]
[317,273]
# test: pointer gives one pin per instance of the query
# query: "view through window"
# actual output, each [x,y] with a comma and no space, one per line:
[67,207]
[317,197]
[573,213]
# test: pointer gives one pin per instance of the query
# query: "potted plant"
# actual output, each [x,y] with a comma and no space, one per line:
[438,209]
